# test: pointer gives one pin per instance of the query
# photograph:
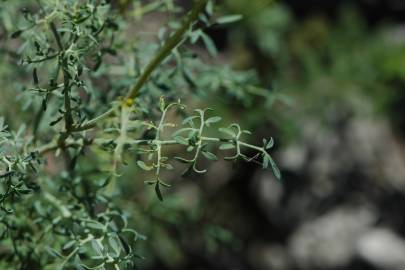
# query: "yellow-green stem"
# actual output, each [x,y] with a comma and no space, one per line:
[169,45]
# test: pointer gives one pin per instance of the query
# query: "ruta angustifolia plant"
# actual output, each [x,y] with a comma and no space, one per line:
[104,95]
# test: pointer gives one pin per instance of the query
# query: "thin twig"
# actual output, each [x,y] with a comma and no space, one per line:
[172,42]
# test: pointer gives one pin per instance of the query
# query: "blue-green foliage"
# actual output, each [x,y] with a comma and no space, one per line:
[60,202]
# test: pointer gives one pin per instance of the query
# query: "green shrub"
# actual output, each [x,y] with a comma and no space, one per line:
[102,94]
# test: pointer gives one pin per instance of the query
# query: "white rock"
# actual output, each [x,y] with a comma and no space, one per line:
[383,249]
[330,240]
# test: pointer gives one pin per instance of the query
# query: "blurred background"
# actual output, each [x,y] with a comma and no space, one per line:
[337,71]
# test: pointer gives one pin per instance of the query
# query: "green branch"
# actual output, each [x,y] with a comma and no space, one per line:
[169,45]
[172,42]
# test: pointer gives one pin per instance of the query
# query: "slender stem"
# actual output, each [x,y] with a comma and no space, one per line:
[66,92]
[167,48]
[199,143]
[93,122]
[161,55]
[53,146]
[260,149]
[174,142]
[51,56]
[159,147]
[68,107]
[57,37]
[47,148]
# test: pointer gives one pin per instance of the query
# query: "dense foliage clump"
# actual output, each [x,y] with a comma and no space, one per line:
[102,95]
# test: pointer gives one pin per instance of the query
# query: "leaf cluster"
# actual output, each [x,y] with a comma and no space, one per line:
[97,101]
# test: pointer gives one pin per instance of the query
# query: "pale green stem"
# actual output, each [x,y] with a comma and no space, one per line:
[172,42]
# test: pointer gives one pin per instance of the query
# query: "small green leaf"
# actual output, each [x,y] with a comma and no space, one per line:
[164,184]
[195,35]
[210,156]
[212,120]
[182,160]
[35,76]
[270,144]
[181,140]
[162,103]
[276,170]
[158,192]
[125,245]
[54,253]
[97,247]
[226,146]
[95,225]
[114,244]
[143,165]
[167,166]
[16,34]
[229,19]
[189,120]
[25,191]
[209,8]
[228,132]
[266,161]
[209,44]
[105,182]
[68,245]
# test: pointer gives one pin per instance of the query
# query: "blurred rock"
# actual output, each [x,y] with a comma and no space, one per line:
[340,175]
[329,241]
[269,191]
[218,175]
[373,145]
[383,249]
[293,157]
